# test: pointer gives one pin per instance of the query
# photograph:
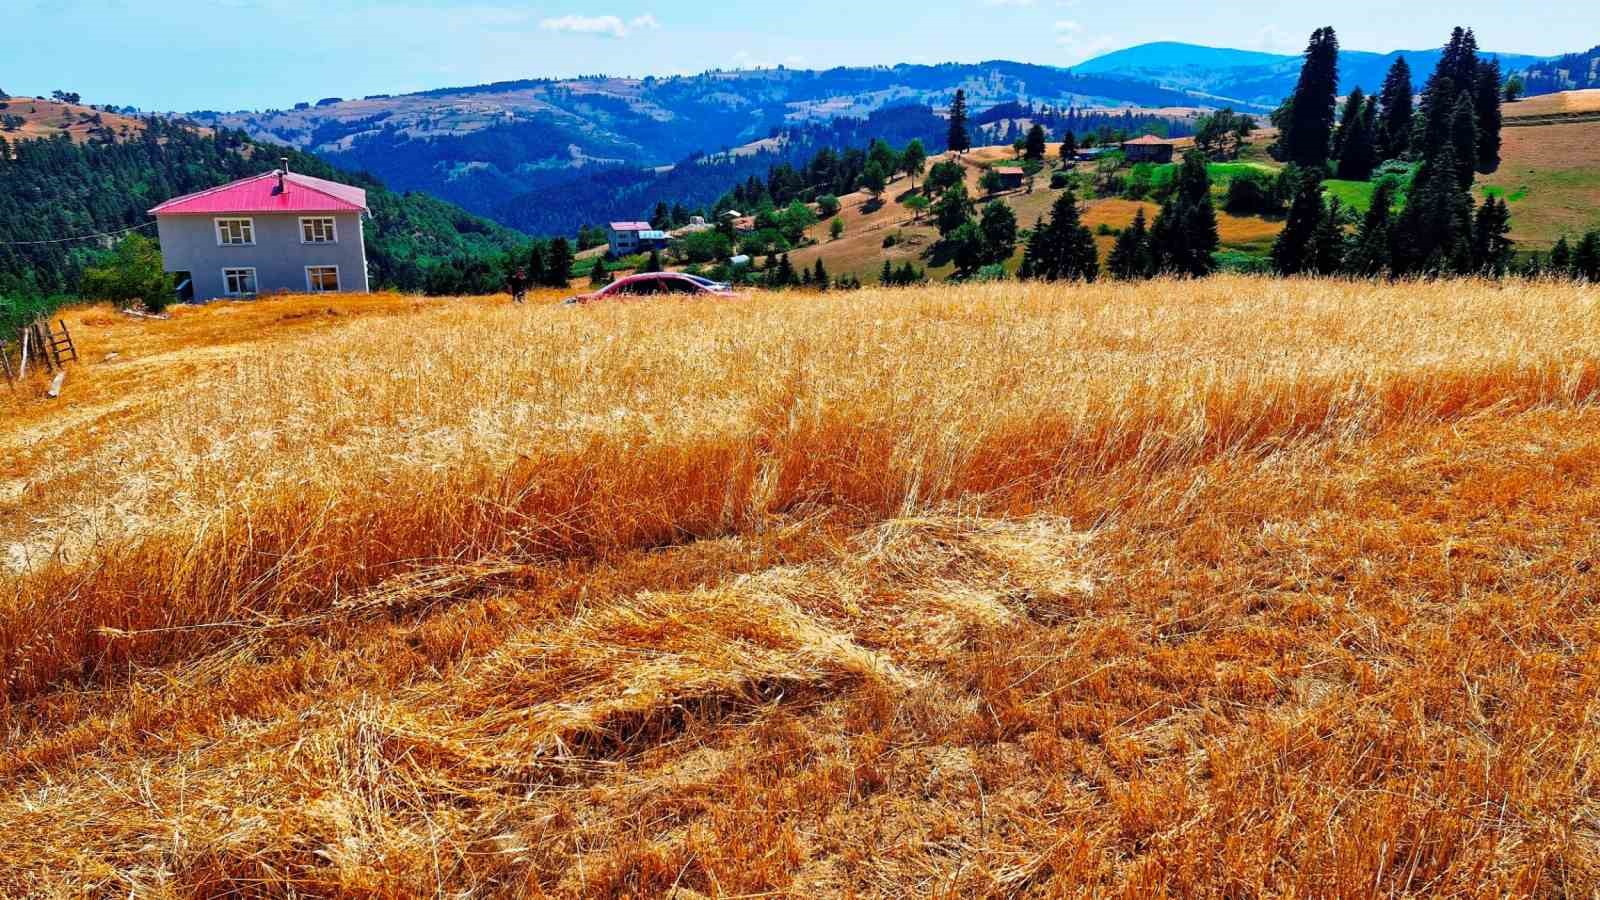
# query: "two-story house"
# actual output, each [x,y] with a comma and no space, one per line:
[277,231]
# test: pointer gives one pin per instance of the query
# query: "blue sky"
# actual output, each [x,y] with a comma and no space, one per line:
[235,54]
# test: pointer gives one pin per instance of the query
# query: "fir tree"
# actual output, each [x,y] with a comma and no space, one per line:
[1295,252]
[1033,251]
[819,277]
[558,269]
[1560,261]
[1486,103]
[1184,235]
[958,140]
[653,264]
[1311,108]
[1358,155]
[886,277]
[661,219]
[535,267]
[1398,109]
[1464,139]
[1328,245]
[1130,257]
[1035,143]
[1064,249]
[999,229]
[1586,258]
[1491,248]
[1349,117]
[598,276]
[1069,148]
[1371,255]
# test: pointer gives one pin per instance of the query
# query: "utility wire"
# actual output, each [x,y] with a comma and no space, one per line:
[81,237]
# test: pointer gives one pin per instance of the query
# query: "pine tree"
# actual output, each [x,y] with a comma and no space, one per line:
[661,219]
[886,277]
[1295,252]
[598,276]
[1486,103]
[1034,250]
[1184,235]
[1036,143]
[1371,255]
[653,264]
[819,278]
[1130,257]
[958,140]
[1398,109]
[1311,108]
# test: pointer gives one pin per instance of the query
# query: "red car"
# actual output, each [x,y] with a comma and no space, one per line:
[655,283]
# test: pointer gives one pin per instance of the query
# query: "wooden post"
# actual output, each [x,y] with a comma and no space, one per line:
[5,364]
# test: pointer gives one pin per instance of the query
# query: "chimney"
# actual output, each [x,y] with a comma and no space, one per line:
[283,169]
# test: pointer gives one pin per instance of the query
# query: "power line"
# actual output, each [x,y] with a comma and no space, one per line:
[81,237]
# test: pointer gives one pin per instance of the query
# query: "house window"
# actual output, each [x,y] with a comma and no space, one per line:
[322,278]
[235,232]
[239,282]
[319,230]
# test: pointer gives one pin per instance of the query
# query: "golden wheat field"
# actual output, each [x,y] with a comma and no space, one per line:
[1232,588]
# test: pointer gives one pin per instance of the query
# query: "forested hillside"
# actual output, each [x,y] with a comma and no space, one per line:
[53,191]
[1575,71]
[610,192]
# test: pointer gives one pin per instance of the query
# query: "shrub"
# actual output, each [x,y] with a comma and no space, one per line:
[1059,180]
[828,206]
[132,272]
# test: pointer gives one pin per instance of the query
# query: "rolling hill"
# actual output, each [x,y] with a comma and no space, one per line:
[1254,79]
[478,145]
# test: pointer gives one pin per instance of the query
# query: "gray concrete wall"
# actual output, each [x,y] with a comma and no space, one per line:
[189,244]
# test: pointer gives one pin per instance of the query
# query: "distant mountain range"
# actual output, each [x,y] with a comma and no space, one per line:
[479,145]
[505,150]
[1256,79]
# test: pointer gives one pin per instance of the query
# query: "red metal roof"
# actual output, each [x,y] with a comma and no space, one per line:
[260,194]
[1150,140]
[630,226]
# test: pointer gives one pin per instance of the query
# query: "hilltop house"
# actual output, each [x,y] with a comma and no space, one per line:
[1148,149]
[277,231]
[628,238]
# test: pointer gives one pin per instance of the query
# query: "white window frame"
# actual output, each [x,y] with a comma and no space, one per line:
[253,280]
[249,226]
[337,278]
[333,229]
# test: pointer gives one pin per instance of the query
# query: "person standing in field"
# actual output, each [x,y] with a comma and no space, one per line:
[517,285]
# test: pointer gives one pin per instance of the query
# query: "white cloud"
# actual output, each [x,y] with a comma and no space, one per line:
[602,26]
[1067,26]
